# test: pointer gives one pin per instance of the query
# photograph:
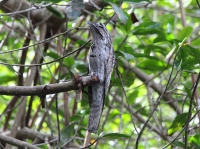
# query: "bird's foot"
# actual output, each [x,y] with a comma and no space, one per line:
[94,78]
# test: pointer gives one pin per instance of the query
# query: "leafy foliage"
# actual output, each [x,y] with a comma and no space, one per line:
[157,58]
[178,123]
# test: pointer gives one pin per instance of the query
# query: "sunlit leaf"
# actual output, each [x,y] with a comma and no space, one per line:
[148,27]
[78,115]
[112,115]
[185,32]
[123,18]
[144,55]
[69,61]
[192,51]
[55,12]
[66,134]
[178,123]
[150,64]
[52,55]
[195,140]
[196,42]
[133,96]
[137,1]
[75,118]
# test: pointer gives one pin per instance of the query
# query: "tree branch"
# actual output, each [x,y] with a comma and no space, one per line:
[43,90]
[27,133]
[16,142]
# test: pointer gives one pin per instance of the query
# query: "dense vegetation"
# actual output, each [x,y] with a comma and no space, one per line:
[153,100]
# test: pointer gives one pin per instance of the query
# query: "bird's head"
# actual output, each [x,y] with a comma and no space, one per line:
[98,31]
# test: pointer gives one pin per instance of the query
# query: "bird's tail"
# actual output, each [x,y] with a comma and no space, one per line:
[94,118]
[96,99]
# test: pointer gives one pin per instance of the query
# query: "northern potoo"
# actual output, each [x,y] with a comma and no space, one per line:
[101,61]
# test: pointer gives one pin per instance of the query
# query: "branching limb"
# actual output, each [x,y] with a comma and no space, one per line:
[45,89]
[16,142]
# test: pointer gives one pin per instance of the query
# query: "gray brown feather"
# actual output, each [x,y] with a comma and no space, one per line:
[101,62]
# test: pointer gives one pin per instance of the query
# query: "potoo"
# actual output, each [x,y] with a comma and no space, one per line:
[101,61]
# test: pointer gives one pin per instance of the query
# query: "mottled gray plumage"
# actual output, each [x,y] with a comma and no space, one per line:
[101,62]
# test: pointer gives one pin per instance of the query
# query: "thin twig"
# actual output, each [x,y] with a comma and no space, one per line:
[32,65]
[175,138]
[158,102]
[46,40]
[124,92]
[16,142]
[190,110]
[26,10]
[87,139]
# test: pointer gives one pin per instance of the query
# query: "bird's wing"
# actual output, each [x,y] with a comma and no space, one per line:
[109,68]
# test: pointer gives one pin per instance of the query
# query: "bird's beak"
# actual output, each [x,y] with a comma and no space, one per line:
[92,24]
[95,27]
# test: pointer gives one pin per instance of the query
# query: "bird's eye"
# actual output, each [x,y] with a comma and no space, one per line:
[92,46]
[101,26]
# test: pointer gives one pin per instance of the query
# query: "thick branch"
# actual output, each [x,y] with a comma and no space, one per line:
[31,135]
[16,142]
[43,90]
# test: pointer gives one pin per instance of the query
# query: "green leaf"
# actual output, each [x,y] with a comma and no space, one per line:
[159,38]
[6,78]
[115,136]
[123,18]
[81,42]
[151,64]
[185,32]
[178,123]
[112,115]
[145,55]
[73,9]
[2,35]
[82,68]
[179,144]
[133,96]
[189,64]
[75,118]
[78,116]
[196,42]
[44,146]
[69,61]
[52,55]
[127,56]
[66,134]
[55,12]
[189,58]
[148,27]
[192,52]
[137,1]
[195,140]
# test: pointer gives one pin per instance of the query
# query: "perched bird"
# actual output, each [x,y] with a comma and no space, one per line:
[101,61]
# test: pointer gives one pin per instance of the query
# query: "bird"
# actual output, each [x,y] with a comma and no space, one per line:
[101,61]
